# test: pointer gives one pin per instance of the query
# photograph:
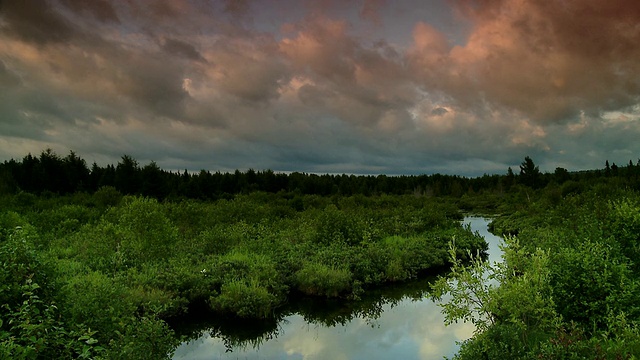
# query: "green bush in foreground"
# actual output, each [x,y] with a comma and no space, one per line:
[564,290]
[33,330]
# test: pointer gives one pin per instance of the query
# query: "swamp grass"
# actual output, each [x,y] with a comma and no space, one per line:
[118,269]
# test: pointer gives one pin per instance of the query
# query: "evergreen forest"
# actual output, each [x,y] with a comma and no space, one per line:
[106,262]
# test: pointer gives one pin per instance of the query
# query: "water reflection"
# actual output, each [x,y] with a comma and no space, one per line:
[398,322]
[480,225]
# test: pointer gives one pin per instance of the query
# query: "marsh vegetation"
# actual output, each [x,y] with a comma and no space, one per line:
[113,269]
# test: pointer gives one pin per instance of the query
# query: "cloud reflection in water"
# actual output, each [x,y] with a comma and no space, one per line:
[408,329]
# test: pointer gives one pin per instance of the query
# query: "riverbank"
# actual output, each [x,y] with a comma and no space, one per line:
[113,272]
[398,321]
[569,285]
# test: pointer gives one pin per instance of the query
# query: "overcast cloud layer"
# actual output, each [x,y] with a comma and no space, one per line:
[367,87]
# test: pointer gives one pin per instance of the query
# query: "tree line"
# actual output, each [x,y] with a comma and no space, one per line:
[50,173]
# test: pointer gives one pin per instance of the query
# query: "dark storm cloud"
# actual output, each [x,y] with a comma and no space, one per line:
[35,21]
[439,111]
[91,68]
[8,79]
[323,86]
[102,10]
[237,8]
[154,84]
[181,48]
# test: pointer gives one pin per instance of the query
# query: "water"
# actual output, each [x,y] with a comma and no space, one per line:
[390,327]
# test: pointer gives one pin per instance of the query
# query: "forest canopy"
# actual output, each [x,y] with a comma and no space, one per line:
[52,173]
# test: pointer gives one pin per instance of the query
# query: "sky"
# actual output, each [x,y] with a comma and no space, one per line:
[463,87]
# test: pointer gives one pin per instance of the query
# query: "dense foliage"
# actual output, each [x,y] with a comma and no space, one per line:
[101,275]
[569,286]
[97,263]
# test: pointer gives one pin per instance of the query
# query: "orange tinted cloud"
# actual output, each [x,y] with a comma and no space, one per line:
[548,59]
[258,81]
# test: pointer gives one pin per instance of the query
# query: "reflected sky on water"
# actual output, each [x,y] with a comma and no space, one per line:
[407,330]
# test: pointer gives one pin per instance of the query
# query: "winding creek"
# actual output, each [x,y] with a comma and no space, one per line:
[405,325]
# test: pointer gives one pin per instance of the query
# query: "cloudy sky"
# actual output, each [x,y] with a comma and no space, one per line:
[331,86]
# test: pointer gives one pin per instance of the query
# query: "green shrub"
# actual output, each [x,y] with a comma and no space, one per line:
[408,256]
[216,240]
[323,280]
[64,219]
[9,221]
[245,298]
[24,201]
[132,234]
[148,234]
[19,262]
[85,296]
[574,343]
[337,226]
[396,271]
[33,330]
[107,196]
[624,224]
[589,282]
[370,264]
[97,246]
[240,264]
[144,338]
[577,298]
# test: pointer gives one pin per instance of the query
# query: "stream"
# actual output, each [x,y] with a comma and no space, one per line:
[401,324]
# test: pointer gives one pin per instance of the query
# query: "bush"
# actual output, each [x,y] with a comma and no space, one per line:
[34,330]
[144,338]
[319,279]
[148,234]
[589,282]
[84,296]
[9,221]
[246,298]
[624,224]
[502,341]
[19,262]
[107,196]
[577,298]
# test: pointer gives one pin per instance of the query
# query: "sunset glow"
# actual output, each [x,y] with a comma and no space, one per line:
[370,86]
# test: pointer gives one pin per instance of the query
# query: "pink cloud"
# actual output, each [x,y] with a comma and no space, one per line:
[361,85]
[322,46]
[549,60]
